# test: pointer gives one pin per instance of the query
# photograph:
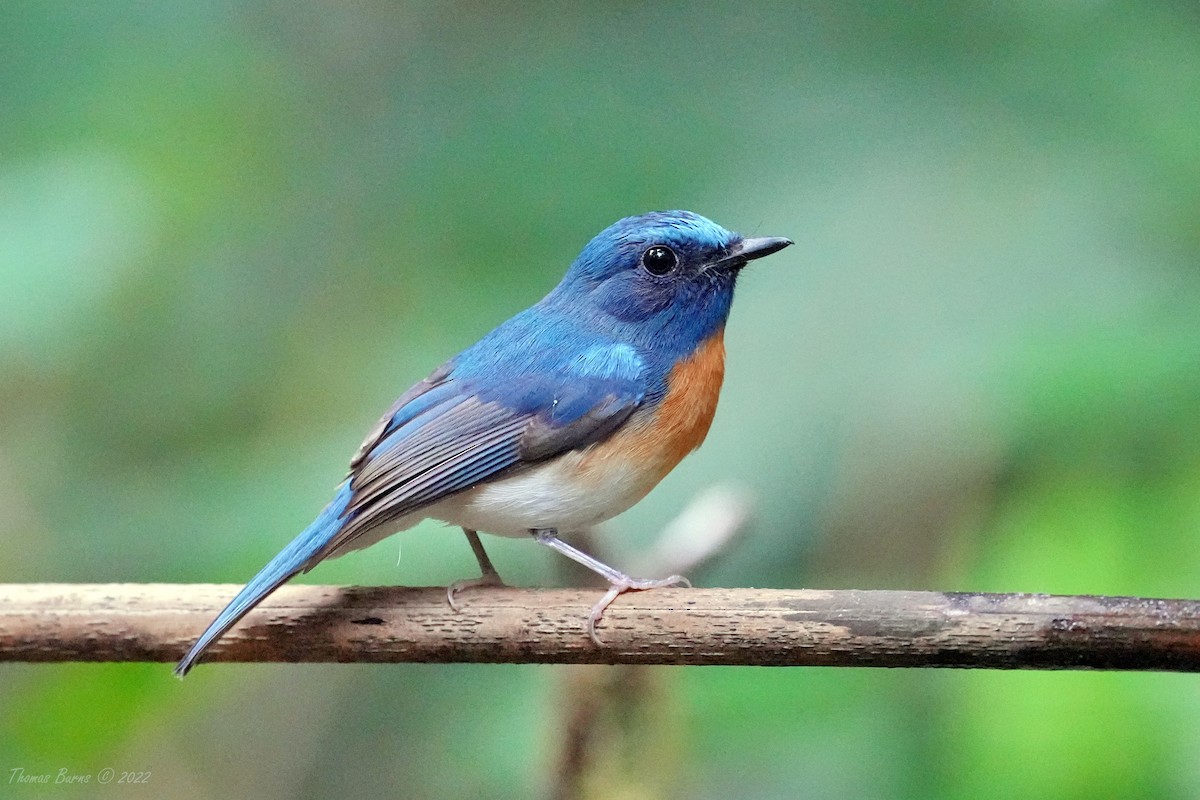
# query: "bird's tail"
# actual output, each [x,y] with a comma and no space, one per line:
[287,563]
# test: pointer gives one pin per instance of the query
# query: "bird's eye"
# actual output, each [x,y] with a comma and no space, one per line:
[659,260]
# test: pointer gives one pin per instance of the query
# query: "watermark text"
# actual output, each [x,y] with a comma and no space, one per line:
[67,776]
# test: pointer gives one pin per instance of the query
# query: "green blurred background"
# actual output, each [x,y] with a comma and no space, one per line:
[231,234]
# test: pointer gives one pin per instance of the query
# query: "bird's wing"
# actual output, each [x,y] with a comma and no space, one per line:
[449,433]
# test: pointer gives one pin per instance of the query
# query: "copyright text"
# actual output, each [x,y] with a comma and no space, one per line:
[66,775]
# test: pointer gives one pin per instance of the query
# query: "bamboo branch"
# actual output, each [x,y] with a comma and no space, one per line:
[156,622]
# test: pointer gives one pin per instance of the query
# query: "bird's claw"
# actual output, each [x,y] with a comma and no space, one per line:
[618,588]
[492,580]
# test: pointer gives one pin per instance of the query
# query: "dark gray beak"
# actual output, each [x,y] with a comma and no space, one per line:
[747,250]
[742,253]
[750,249]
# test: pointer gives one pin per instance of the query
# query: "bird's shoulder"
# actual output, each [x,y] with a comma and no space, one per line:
[570,385]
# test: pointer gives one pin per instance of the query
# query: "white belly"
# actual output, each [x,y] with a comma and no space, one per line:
[558,495]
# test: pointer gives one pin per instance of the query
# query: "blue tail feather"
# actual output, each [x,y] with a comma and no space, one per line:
[288,562]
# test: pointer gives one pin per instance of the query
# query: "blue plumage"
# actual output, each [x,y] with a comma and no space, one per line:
[664,317]
[278,570]
[594,357]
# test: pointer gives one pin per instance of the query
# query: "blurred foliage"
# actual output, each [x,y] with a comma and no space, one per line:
[231,234]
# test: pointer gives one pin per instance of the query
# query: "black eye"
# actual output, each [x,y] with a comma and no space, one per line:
[659,260]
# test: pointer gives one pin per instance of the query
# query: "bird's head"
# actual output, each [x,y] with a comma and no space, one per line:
[664,274]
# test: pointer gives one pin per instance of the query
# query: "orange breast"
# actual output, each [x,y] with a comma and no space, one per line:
[658,441]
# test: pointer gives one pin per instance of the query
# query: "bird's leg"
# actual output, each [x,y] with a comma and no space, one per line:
[489,576]
[619,581]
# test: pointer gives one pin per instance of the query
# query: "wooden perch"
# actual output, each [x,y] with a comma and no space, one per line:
[156,622]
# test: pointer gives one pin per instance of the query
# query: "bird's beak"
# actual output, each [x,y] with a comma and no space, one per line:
[751,249]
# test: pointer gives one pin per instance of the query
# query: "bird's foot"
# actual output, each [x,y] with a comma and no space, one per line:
[486,579]
[618,588]
[618,582]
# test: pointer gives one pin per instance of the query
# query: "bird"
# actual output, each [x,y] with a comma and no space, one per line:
[562,417]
